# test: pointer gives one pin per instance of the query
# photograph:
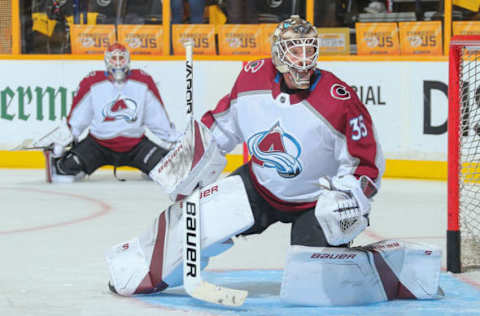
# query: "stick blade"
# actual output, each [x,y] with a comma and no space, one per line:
[215,294]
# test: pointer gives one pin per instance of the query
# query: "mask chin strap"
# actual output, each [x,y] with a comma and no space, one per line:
[298,81]
[119,75]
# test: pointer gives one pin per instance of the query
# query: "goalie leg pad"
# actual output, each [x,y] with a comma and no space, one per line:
[417,267]
[387,270]
[225,212]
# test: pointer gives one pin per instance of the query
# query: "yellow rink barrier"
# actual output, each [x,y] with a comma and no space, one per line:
[91,39]
[334,40]
[142,39]
[203,37]
[240,39]
[377,39]
[466,28]
[421,38]
[415,169]
[15,32]
[267,34]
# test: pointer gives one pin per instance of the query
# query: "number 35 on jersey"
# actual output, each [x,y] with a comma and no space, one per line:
[359,130]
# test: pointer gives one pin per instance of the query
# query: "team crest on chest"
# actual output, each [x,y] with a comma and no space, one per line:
[276,149]
[120,109]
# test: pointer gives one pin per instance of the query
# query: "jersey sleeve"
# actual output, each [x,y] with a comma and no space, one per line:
[81,112]
[156,118]
[360,153]
[222,122]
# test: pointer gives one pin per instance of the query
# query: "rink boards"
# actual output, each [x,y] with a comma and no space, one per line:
[407,100]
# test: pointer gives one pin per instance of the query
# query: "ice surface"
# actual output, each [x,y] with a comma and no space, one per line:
[53,238]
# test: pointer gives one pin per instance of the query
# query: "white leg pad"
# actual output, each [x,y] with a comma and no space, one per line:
[127,266]
[379,272]
[225,212]
[417,267]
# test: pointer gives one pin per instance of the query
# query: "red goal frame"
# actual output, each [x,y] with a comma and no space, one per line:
[454,108]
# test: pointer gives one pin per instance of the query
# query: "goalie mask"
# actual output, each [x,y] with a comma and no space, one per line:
[295,50]
[117,61]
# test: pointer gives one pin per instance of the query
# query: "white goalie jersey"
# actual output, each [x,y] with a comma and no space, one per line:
[295,139]
[117,114]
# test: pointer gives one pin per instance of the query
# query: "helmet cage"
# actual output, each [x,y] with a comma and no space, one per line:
[290,56]
[295,49]
[117,61]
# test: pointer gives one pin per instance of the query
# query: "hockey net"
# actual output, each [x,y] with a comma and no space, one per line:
[463,234]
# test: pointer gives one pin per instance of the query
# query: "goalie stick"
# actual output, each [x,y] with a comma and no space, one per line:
[31,144]
[24,145]
[193,283]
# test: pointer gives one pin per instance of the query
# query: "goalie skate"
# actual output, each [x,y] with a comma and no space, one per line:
[52,175]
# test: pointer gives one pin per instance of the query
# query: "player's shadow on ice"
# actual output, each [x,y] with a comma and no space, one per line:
[259,289]
[255,289]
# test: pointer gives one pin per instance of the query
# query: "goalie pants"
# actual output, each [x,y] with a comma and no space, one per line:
[306,230]
[91,155]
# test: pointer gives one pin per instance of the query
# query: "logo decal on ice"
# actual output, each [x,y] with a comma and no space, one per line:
[276,149]
[339,92]
[254,66]
[120,109]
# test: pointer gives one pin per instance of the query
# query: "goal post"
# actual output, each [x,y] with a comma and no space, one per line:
[463,232]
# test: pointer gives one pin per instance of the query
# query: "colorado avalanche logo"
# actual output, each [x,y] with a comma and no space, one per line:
[120,109]
[272,149]
[339,92]
[254,66]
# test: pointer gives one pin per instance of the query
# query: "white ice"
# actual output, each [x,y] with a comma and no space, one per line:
[53,238]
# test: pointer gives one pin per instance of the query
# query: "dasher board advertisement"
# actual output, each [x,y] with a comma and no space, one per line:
[377,39]
[91,39]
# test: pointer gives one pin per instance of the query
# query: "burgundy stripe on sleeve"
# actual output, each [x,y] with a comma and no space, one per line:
[361,146]
[223,105]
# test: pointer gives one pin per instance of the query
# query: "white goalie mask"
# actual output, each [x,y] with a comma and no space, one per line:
[295,50]
[117,61]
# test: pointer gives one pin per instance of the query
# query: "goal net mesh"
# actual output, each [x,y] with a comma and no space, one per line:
[469,164]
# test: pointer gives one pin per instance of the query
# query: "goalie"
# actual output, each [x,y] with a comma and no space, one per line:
[116,105]
[315,163]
